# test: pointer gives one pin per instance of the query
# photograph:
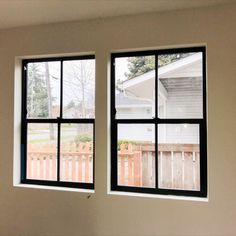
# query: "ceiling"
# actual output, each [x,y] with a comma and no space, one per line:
[15,13]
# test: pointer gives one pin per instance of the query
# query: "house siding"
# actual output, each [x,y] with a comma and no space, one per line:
[184,104]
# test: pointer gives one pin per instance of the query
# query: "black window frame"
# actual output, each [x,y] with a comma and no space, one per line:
[202,122]
[58,121]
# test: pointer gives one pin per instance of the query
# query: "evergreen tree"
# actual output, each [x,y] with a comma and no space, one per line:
[37,97]
[142,64]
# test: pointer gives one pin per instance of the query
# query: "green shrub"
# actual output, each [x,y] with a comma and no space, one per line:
[126,143]
[83,138]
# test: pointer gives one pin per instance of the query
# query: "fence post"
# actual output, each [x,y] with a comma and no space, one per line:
[54,161]
[197,171]
[73,156]
[80,157]
[172,169]
[183,174]
[86,150]
[67,156]
[29,160]
[154,169]
[194,171]
[122,164]
[35,162]
[46,155]
[130,160]
[145,170]
[137,166]
[41,161]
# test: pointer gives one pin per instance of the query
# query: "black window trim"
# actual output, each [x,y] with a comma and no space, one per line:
[202,127]
[58,121]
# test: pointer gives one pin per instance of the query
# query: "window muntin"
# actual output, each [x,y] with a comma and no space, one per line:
[58,121]
[175,81]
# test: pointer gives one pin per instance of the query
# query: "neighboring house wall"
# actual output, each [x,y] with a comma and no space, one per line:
[181,104]
[133,112]
[137,132]
[178,133]
[184,97]
[134,132]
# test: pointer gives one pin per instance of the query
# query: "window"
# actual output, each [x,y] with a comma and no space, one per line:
[158,122]
[58,115]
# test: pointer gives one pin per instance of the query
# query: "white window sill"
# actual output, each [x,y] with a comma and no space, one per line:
[147,195]
[44,187]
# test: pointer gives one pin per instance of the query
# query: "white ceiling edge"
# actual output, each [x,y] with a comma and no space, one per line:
[19,13]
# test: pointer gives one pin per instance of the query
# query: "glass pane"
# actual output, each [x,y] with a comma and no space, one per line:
[136,155]
[79,89]
[76,153]
[42,151]
[43,90]
[135,87]
[180,85]
[178,156]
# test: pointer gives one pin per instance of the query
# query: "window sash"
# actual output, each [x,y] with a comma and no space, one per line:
[200,121]
[58,121]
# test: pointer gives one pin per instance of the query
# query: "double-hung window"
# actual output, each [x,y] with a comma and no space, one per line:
[158,122]
[58,115]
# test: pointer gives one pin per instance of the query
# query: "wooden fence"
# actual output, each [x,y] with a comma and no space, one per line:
[76,162]
[178,164]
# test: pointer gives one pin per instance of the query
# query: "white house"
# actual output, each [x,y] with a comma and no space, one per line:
[179,96]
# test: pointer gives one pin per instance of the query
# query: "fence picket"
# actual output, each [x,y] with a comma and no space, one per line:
[145,170]
[183,174]
[122,165]
[35,162]
[86,150]
[73,156]
[137,167]
[54,161]
[80,157]
[29,160]
[197,170]
[66,161]
[177,170]
[46,156]
[41,162]
[130,167]
[188,170]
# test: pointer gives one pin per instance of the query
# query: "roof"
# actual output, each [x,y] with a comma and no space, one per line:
[172,70]
[183,74]
[122,100]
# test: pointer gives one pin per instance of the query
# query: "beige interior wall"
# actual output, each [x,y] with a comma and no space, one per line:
[32,212]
